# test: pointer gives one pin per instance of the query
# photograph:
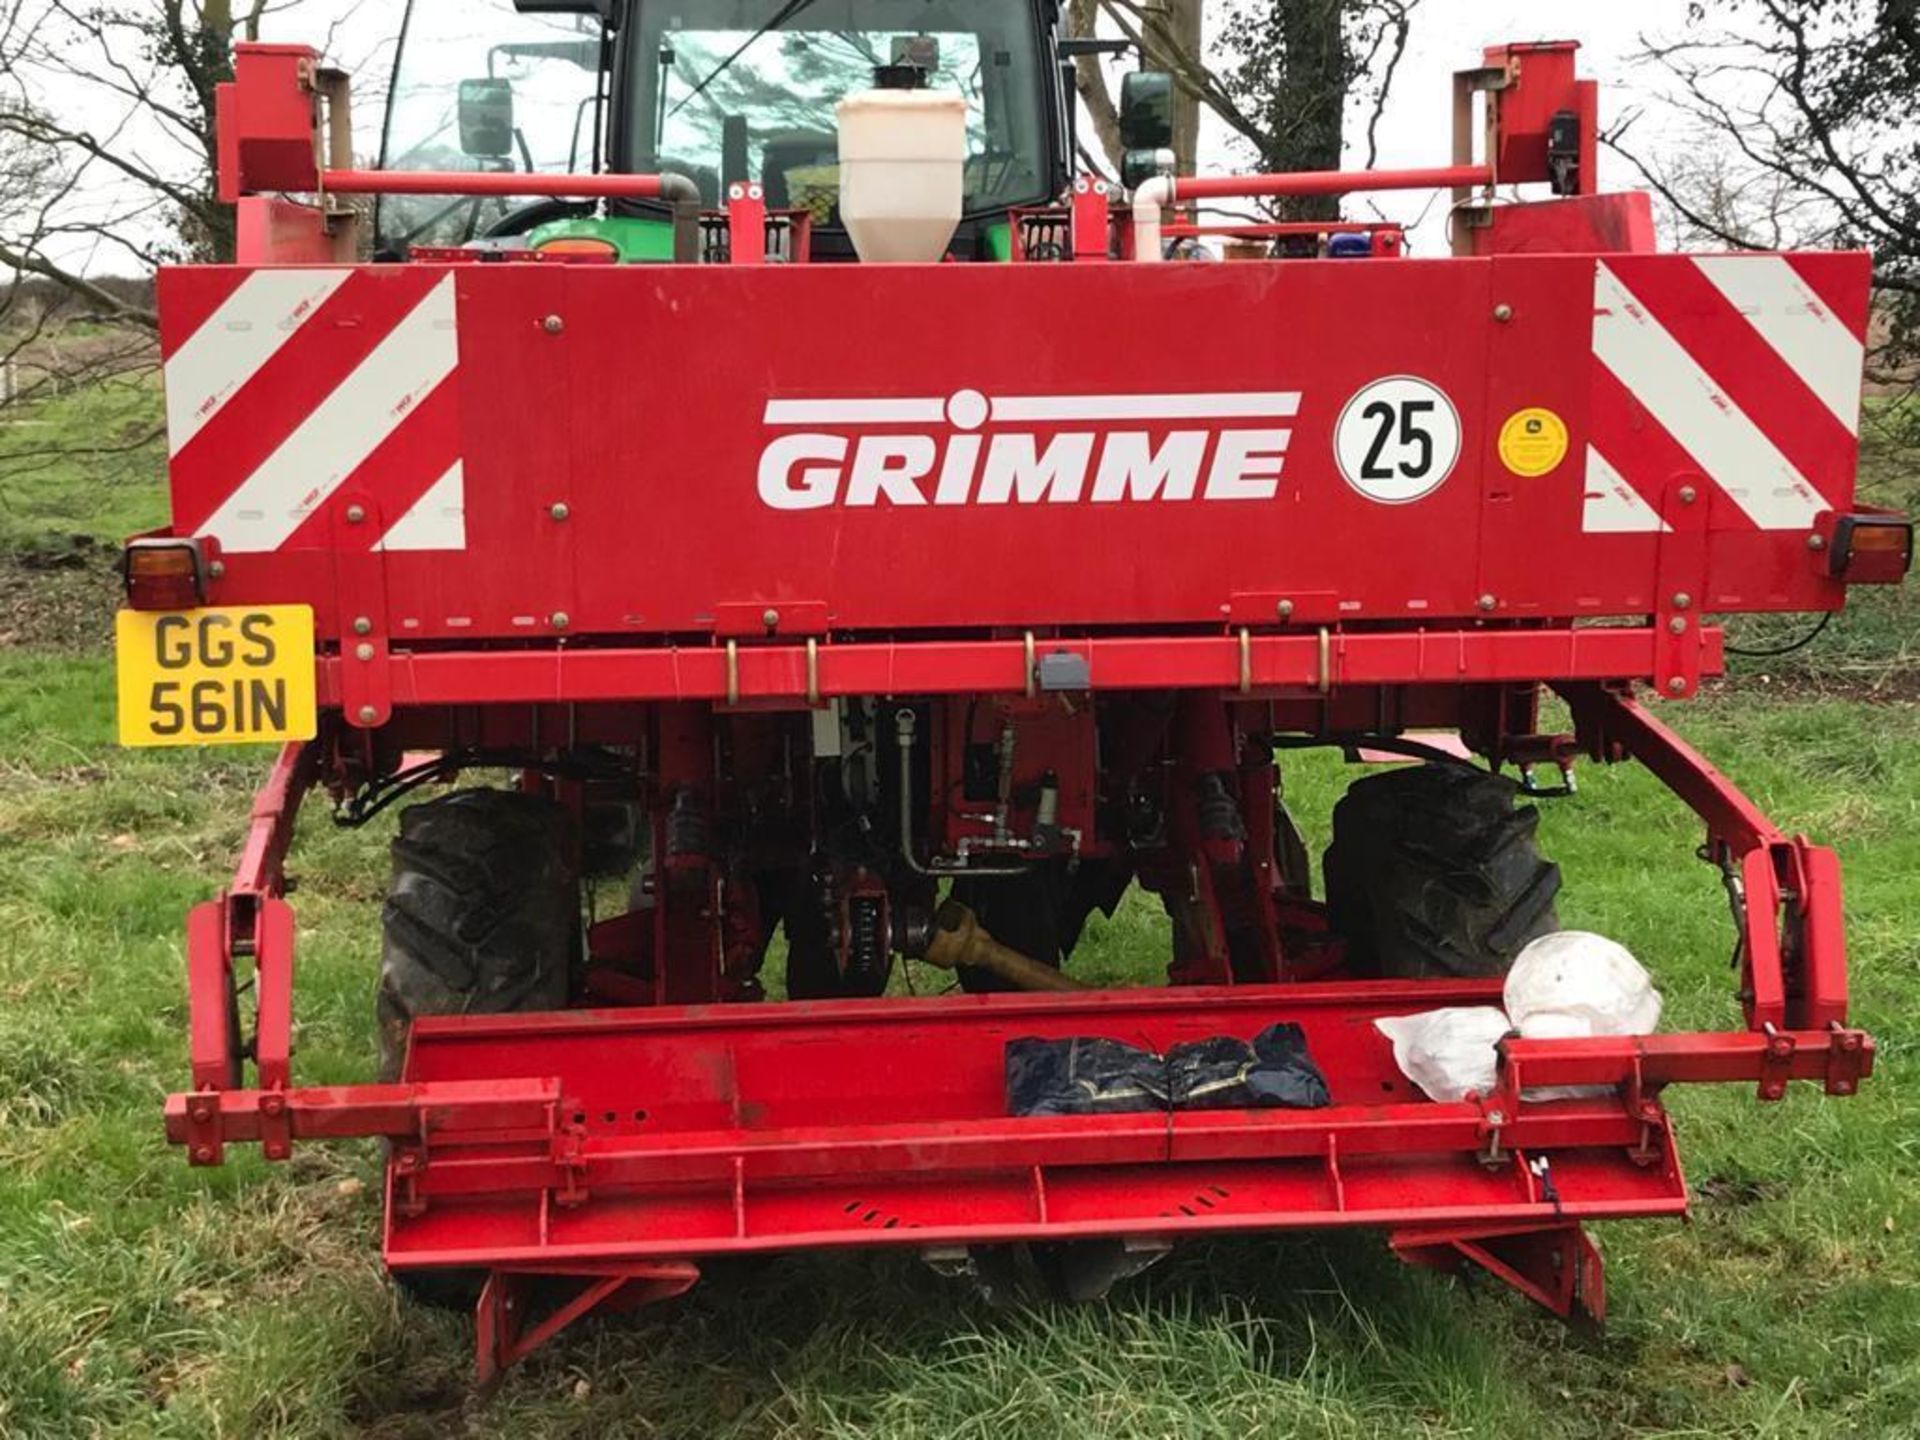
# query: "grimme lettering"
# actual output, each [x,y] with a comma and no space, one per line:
[815,470]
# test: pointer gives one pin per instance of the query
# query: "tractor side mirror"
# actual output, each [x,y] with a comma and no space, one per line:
[1146,126]
[485,109]
[1146,110]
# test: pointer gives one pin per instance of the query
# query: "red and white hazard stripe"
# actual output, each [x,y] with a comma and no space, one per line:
[300,384]
[1727,368]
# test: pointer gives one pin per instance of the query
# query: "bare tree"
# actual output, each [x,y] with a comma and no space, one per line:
[1280,74]
[107,159]
[1808,118]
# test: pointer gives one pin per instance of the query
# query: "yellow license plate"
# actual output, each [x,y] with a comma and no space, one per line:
[222,676]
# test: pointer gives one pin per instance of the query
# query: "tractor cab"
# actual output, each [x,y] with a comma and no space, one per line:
[720,92]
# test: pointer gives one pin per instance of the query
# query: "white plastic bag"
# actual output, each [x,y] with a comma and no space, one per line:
[1449,1052]
[1572,984]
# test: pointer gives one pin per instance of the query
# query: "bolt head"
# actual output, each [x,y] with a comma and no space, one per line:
[216,568]
[1688,494]
[1682,600]
[1816,542]
[558,510]
[1285,607]
[559,620]
[770,618]
[1503,313]
[363,652]
[553,324]
[202,1114]
[1677,685]
[355,514]
[368,714]
[362,625]
[1486,602]
[1677,625]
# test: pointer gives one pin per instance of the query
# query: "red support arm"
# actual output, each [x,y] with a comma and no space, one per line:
[248,921]
[1772,876]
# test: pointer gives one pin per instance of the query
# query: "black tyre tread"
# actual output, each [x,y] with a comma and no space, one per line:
[482,917]
[482,914]
[1433,871]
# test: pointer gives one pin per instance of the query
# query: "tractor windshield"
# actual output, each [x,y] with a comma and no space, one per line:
[726,90]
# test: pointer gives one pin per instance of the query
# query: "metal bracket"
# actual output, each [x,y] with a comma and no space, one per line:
[1776,1063]
[1092,225]
[1849,1056]
[746,224]
[360,599]
[505,1331]
[1555,1266]
[570,1159]
[1680,577]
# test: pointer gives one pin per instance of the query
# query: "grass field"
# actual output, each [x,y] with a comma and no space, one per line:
[138,1297]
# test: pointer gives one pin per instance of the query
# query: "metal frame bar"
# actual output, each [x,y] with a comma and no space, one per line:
[802,673]
[1796,1020]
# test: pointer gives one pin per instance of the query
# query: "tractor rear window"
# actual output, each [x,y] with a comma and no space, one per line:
[478,86]
[716,90]
[728,90]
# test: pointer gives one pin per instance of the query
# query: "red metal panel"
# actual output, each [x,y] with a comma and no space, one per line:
[599,388]
[1581,224]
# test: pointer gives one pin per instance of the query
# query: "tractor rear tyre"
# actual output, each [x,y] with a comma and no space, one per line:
[1433,872]
[482,915]
[482,918]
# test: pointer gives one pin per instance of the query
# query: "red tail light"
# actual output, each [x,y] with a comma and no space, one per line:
[164,574]
[1870,548]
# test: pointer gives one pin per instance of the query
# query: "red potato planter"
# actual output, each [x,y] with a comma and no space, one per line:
[920,609]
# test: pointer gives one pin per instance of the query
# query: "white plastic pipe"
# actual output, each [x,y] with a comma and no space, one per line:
[1149,200]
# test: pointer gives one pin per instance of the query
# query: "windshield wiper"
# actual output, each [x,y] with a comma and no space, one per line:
[780,17]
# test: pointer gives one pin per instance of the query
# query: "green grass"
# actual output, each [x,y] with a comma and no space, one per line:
[82,465]
[139,1297]
[1874,644]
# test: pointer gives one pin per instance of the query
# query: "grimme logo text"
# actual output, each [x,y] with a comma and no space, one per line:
[969,449]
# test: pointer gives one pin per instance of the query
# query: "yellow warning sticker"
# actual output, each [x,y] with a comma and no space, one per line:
[1533,441]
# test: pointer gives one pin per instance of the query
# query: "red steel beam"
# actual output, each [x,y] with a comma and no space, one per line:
[491,182]
[794,672]
[474,1112]
[509,1108]
[270,826]
[1331,182]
